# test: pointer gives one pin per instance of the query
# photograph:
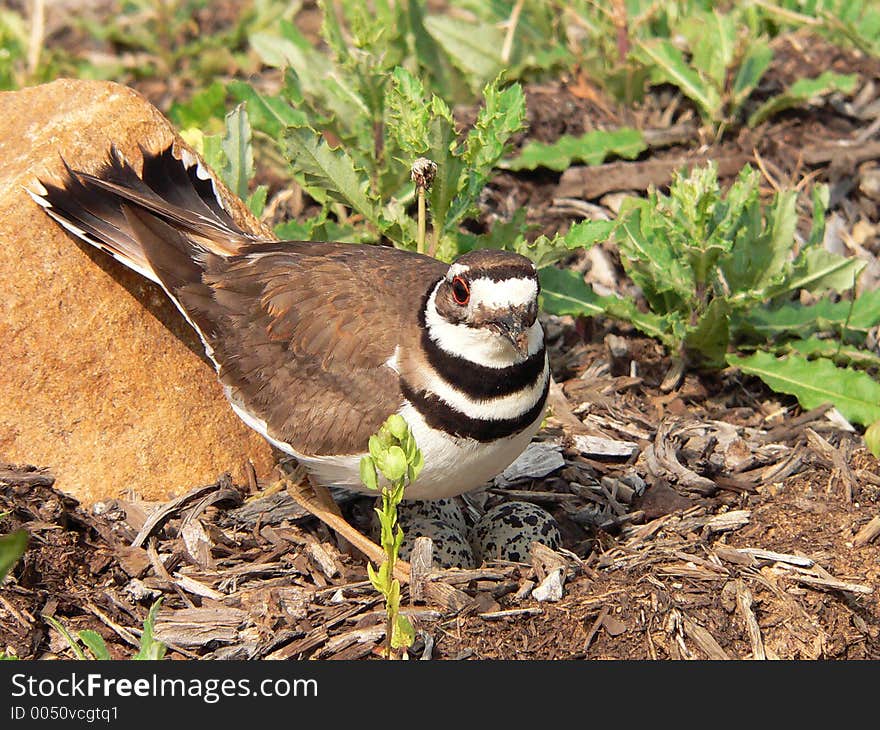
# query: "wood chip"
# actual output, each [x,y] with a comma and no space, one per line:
[598,447]
[193,586]
[420,565]
[511,613]
[195,627]
[550,589]
[829,583]
[775,557]
[322,559]
[868,533]
[744,603]
[538,460]
[703,639]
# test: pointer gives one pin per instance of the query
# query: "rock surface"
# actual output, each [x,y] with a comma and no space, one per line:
[101,379]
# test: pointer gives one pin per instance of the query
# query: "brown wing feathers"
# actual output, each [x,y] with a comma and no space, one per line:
[299,332]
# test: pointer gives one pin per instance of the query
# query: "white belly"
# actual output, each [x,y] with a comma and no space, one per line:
[452,465]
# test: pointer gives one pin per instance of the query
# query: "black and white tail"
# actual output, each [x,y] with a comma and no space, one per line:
[105,209]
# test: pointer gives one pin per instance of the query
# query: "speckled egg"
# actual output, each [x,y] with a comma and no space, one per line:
[451,548]
[506,532]
[445,510]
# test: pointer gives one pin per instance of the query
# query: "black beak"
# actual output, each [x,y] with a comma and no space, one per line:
[514,329]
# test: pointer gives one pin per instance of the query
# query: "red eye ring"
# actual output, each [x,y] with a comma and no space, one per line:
[461,292]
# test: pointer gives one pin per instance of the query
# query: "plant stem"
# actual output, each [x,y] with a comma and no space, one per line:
[423,223]
[507,48]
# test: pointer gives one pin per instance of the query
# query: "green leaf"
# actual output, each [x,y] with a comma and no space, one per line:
[830,349]
[269,114]
[256,201]
[796,319]
[212,151]
[475,49]
[203,107]
[12,547]
[592,148]
[368,474]
[94,643]
[403,634]
[805,91]
[375,579]
[710,335]
[150,648]
[872,439]
[817,271]
[393,466]
[816,382]
[501,116]
[72,643]
[752,69]
[236,145]
[669,66]
[565,292]
[327,173]
[544,251]
[398,427]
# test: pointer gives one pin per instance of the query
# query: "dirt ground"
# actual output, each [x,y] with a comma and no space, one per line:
[734,526]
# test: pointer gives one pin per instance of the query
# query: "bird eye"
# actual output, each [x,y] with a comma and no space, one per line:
[461,292]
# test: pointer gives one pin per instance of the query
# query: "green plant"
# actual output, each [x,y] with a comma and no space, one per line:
[721,270]
[93,642]
[12,547]
[592,148]
[856,22]
[170,37]
[370,174]
[726,64]
[394,454]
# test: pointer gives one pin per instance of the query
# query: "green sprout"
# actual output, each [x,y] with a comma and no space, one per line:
[394,454]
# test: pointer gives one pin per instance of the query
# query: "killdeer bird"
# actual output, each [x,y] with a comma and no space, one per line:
[316,344]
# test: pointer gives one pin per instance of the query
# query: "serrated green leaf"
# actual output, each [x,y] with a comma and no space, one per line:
[565,292]
[502,115]
[12,547]
[409,113]
[94,643]
[544,251]
[846,318]
[327,173]
[592,148]
[830,349]
[818,270]
[816,382]
[804,91]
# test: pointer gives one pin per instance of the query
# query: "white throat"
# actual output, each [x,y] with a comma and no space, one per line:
[476,344]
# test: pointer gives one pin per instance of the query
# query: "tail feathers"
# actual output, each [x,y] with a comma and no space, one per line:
[182,195]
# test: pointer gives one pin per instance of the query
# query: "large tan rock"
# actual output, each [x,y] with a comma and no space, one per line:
[99,376]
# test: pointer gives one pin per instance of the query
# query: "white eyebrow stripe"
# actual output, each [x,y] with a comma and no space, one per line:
[456,270]
[507,293]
